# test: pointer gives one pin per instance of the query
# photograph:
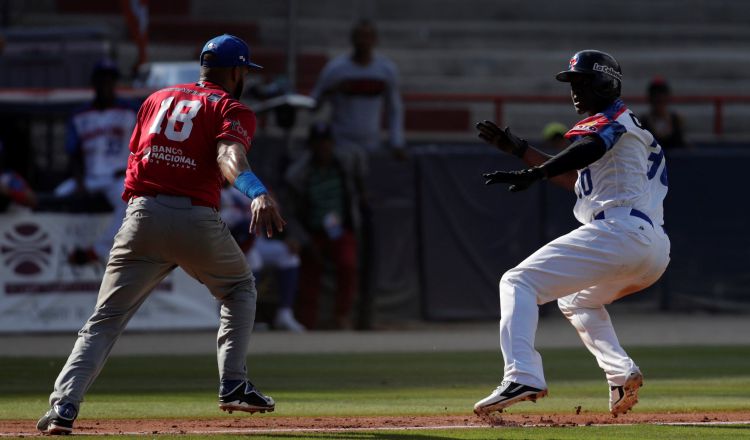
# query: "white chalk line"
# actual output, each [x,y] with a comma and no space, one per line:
[251,431]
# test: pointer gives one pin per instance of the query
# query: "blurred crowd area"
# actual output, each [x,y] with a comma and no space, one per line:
[432,69]
[439,47]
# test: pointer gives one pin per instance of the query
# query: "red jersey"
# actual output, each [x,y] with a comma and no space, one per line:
[173,147]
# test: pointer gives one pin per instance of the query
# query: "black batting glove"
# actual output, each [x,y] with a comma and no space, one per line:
[518,180]
[502,139]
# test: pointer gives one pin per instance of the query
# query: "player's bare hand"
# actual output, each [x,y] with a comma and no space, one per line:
[518,180]
[265,216]
[502,139]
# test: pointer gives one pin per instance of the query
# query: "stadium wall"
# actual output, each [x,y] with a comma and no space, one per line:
[439,242]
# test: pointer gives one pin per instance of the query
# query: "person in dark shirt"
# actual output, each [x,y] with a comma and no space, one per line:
[664,124]
[324,187]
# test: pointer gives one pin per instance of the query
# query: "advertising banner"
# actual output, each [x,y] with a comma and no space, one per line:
[42,289]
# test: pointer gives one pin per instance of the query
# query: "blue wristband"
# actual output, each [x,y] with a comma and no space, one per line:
[249,184]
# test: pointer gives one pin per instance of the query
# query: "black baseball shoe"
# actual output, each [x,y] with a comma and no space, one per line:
[243,396]
[58,420]
[507,394]
[623,398]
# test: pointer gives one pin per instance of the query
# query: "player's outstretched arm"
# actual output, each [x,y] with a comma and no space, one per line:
[534,157]
[578,155]
[503,139]
[235,168]
[508,142]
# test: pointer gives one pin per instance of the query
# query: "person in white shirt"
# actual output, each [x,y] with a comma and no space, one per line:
[97,139]
[360,86]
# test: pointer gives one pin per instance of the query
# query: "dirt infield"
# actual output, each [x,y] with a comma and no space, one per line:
[264,424]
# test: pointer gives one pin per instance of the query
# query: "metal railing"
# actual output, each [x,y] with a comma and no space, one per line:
[52,96]
[718,102]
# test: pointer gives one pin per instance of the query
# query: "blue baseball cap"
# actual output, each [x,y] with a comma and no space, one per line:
[228,51]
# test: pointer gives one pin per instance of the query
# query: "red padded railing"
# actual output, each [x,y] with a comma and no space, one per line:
[449,119]
[499,101]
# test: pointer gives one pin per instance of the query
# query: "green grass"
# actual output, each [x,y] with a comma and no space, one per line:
[695,379]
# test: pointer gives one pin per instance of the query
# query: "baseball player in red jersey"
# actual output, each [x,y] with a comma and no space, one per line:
[188,138]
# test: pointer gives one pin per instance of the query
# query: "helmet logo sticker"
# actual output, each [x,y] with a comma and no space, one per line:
[608,71]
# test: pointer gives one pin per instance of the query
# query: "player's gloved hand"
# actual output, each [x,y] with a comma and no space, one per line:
[502,139]
[518,180]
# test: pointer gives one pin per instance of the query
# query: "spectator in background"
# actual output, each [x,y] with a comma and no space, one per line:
[553,135]
[14,191]
[324,188]
[362,87]
[664,124]
[97,140]
[278,253]
[358,85]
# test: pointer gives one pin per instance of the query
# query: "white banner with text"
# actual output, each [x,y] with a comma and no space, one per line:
[42,289]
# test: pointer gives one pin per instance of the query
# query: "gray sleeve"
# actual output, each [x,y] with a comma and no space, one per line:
[394,107]
[324,83]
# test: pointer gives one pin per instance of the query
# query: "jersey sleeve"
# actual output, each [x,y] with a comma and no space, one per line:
[72,140]
[139,121]
[237,125]
[325,80]
[394,106]
[15,188]
[598,125]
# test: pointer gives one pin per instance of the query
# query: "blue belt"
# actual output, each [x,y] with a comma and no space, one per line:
[634,212]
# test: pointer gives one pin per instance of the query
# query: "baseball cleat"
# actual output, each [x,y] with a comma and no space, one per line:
[58,420]
[507,394]
[243,396]
[623,398]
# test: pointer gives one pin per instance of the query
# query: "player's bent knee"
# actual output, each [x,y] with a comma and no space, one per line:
[565,305]
[514,276]
[243,291]
[570,308]
[515,280]
[509,278]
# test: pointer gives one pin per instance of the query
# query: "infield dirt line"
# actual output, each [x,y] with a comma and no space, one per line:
[254,431]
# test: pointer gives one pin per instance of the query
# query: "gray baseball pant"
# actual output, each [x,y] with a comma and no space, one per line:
[158,234]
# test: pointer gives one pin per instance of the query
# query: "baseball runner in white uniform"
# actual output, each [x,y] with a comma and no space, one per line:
[618,173]
[97,139]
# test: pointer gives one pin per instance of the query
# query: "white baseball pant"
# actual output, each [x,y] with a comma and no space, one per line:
[585,269]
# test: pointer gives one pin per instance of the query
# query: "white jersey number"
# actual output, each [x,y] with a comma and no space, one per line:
[178,115]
